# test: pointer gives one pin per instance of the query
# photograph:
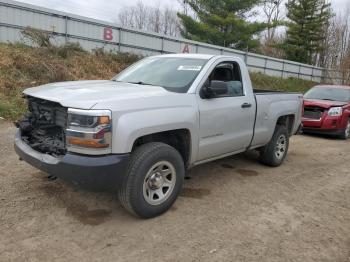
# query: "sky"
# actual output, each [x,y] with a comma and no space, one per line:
[99,9]
[108,9]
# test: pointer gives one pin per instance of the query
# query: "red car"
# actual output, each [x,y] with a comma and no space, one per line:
[327,110]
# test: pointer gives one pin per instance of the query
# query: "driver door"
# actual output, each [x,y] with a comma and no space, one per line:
[226,121]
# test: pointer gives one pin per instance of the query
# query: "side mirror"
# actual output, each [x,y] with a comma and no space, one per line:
[214,88]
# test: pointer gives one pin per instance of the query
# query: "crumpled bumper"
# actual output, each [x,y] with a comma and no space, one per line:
[88,172]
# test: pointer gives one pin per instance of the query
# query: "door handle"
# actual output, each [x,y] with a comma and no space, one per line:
[246,105]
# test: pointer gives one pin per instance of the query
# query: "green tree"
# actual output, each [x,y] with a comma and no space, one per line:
[222,22]
[306,29]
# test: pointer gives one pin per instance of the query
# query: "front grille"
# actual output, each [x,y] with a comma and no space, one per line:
[313,112]
[44,127]
[47,113]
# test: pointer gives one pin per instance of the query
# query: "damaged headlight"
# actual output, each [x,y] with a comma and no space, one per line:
[89,131]
[335,111]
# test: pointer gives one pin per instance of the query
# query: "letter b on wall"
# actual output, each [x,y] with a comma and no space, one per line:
[108,34]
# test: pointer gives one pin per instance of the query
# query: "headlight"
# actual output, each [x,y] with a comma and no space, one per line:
[89,131]
[335,111]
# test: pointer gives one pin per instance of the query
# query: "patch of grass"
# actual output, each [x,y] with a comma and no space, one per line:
[22,66]
[12,107]
[261,81]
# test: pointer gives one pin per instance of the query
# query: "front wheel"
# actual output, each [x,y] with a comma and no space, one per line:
[346,133]
[153,181]
[274,153]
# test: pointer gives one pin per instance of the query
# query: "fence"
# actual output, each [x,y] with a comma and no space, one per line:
[91,33]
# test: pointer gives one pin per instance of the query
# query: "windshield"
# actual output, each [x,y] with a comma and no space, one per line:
[175,74]
[329,93]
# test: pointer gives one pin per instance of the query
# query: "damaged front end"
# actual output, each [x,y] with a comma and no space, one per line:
[44,127]
[71,144]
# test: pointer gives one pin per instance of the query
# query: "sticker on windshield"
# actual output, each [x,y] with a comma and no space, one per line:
[190,67]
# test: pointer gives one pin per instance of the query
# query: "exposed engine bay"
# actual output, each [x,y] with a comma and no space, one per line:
[43,128]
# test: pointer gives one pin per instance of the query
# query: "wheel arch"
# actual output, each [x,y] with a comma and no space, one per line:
[180,139]
[287,121]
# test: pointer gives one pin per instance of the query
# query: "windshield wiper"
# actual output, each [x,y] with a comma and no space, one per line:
[328,99]
[141,83]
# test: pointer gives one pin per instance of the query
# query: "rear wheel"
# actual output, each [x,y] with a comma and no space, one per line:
[346,133]
[274,153]
[153,181]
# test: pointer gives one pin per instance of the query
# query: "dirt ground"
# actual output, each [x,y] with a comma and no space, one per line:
[233,209]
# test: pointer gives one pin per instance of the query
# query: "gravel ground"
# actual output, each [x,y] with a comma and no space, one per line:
[233,209]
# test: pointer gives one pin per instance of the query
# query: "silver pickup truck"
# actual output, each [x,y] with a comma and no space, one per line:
[138,133]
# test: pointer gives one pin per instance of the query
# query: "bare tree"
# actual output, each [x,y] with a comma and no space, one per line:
[155,18]
[185,7]
[272,46]
[171,22]
[337,47]
[273,15]
[126,17]
[158,19]
[141,14]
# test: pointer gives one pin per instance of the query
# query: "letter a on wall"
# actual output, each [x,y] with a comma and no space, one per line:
[186,49]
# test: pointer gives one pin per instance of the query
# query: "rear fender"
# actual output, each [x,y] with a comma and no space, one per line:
[268,115]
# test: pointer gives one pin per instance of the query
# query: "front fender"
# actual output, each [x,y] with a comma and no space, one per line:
[132,125]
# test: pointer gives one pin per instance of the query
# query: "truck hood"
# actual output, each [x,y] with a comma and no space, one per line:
[323,103]
[87,94]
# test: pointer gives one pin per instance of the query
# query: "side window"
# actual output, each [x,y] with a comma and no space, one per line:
[228,72]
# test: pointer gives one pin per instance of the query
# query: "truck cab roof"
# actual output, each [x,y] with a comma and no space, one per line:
[198,56]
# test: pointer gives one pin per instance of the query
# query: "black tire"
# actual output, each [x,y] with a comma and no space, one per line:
[269,154]
[131,193]
[346,132]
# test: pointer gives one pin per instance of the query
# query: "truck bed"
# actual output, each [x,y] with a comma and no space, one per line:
[271,105]
[270,92]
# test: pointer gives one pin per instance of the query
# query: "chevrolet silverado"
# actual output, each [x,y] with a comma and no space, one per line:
[138,133]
